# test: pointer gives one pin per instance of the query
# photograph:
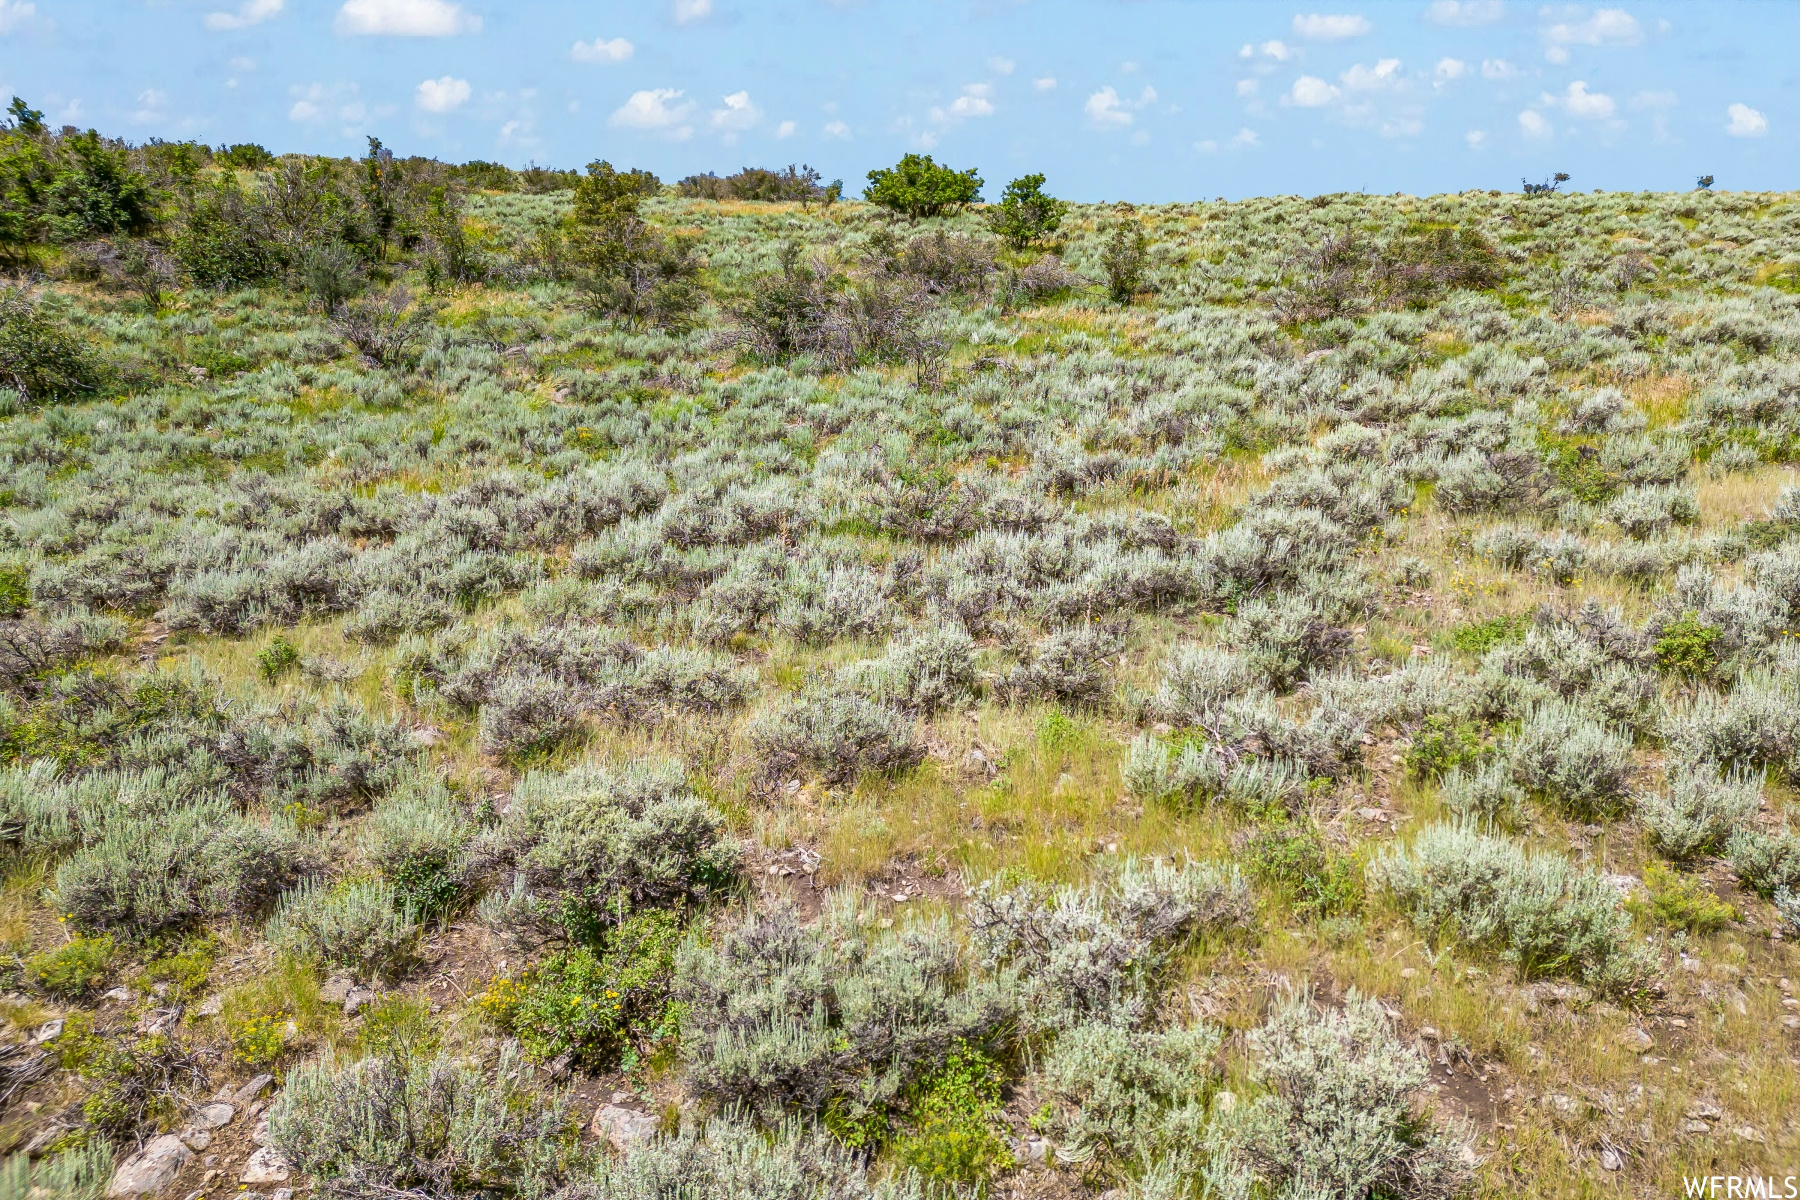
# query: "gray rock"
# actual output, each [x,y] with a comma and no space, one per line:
[266,1166]
[150,1169]
[357,1000]
[252,1090]
[117,995]
[336,989]
[48,1030]
[215,1116]
[623,1127]
[210,1007]
[195,1139]
[282,1194]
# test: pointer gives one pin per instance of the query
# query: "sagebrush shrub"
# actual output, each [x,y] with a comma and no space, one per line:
[363,924]
[1539,912]
[841,736]
[1568,757]
[1766,862]
[1124,1096]
[1699,810]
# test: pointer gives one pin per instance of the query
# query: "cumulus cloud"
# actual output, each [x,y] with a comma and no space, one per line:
[1383,75]
[1593,106]
[1045,83]
[1497,68]
[1309,91]
[1465,13]
[1745,122]
[250,12]
[1533,125]
[443,94]
[150,106]
[1476,138]
[1246,87]
[404,18]
[659,111]
[320,102]
[689,11]
[14,13]
[1448,69]
[1321,27]
[1001,66]
[739,114]
[1245,138]
[1607,27]
[1274,48]
[602,50]
[1107,109]
[786,129]
[837,130]
[975,101]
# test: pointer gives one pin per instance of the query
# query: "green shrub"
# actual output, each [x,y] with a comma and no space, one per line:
[1564,755]
[80,1172]
[1480,637]
[399,1027]
[1322,882]
[40,358]
[1025,213]
[594,1006]
[918,187]
[1126,261]
[75,970]
[280,657]
[182,973]
[1681,901]
[361,924]
[15,589]
[417,838]
[1766,863]
[1442,743]
[1121,1097]
[1687,648]
[1699,810]
[952,1139]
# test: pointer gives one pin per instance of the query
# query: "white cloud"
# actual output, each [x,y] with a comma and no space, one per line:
[836,129]
[1383,75]
[1246,87]
[1107,109]
[442,95]
[1245,137]
[786,129]
[661,111]
[1607,27]
[602,50]
[1497,68]
[250,12]
[739,114]
[1276,49]
[150,106]
[1046,83]
[1448,69]
[243,66]
[1465,12]
[405,18]
[1594,106]
[1001,66]
[1746,121]
[14,13]
[1477,138]
[1320,27]
[973,102]
[1309,91]
[317,102]
[1533,125]
[689,11]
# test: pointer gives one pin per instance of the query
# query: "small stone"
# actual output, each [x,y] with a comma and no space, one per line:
[357,1000]
[1371,814]
[196,1139]
[260,1135]
[901,897]
[1637,1038]
[1407,972]
[1610,1160]
[118,995]
[1747,1133]
[1677,1023]
[207,1179]
[1695,1127]
[282,1194]
[1426,1031]
[252,1090]
[1037,1150]
[215,1116]
[427,736]
[266,1166]
[622,1127]
[336,989]
[1705,1112]
[150,1169]
[1791,1022]
[48,1030]
[212,1006]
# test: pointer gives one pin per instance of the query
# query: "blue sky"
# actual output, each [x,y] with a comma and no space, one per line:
[1145,100]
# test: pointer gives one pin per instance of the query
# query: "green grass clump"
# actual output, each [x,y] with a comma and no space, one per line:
[75,970]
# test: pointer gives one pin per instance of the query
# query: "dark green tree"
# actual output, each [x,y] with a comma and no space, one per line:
[1126,259]
[918,187]
[1025,213]
[95,193]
